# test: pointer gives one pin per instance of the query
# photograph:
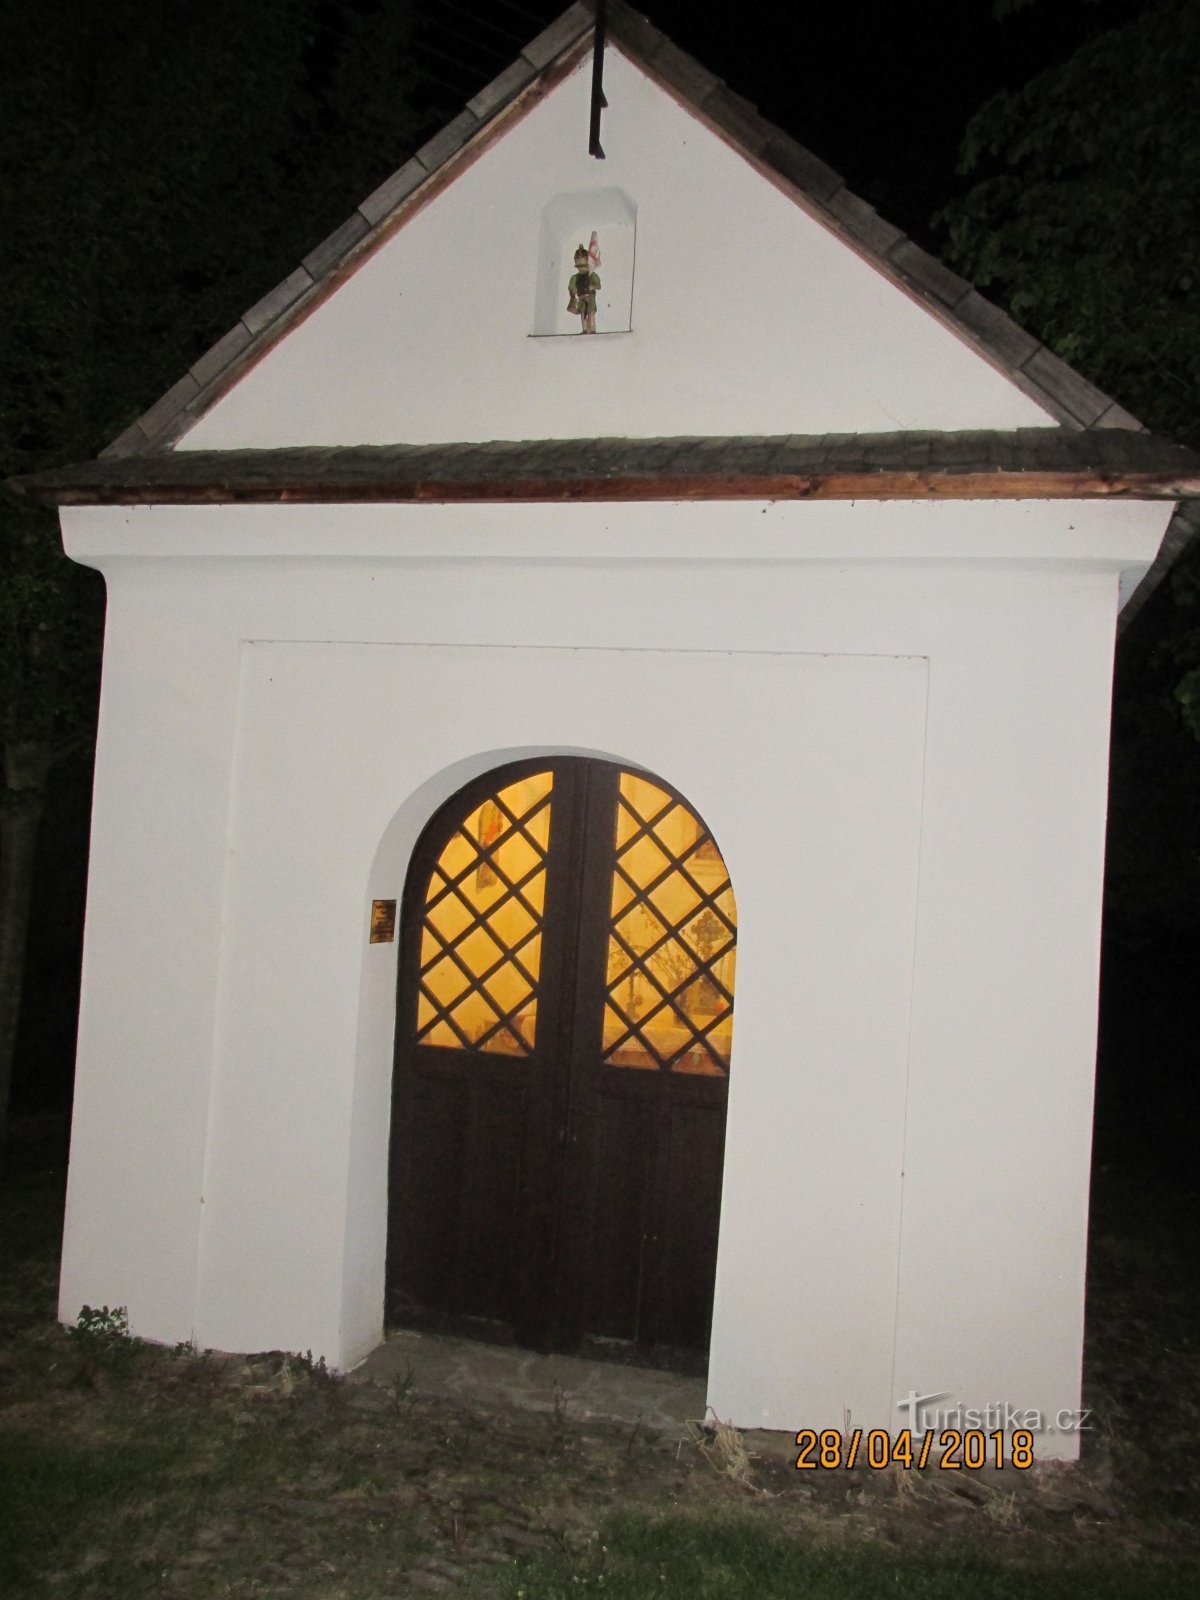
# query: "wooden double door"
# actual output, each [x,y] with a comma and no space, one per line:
[565,1011]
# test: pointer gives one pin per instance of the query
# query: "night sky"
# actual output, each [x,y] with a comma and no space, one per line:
[880,93]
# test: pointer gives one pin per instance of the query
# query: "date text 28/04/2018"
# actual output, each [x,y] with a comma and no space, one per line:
[948,1451]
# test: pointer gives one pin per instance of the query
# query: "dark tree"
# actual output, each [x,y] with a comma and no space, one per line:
[162,166]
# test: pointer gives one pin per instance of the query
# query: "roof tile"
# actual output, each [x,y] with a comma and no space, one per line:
[801,167]
[502,89]
[448,142]
[564,31]
[928,273]
[282,296]
[392,190]
[1117,417]
[331,251]
[168,406]
[1067,386]
[739,118]
[862,222]
[214,361]
[684,73]
[631,28]
[132,442]
[995,329]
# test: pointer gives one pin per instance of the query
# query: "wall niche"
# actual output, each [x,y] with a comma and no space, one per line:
[570,221]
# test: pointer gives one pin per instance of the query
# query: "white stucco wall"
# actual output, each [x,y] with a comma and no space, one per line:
[901,746]
[748,316]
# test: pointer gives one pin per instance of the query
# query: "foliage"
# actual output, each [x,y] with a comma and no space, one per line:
[100,1339]
[1084,213]
[1083,217]
[163,167]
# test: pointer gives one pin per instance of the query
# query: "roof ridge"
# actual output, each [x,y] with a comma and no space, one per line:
[1031,365]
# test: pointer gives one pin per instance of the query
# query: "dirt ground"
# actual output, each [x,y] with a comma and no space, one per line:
[303,1482]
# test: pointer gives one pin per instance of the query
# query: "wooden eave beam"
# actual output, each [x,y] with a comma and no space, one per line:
[926,484]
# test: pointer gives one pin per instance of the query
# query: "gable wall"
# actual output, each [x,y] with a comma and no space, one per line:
[748,315]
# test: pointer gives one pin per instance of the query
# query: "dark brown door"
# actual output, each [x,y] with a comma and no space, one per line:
[562,1051]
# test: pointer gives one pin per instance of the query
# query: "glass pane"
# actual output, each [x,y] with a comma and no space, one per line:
[486,824]
[640,929]
[622,894]
[703,1059]
[529,957]
[618,962]
[674,897]
[474,1016]
[449,916]
[444,981]
[538,828]
[677,830]
[672,966]
[627,825]
[630,1052]
[516,857]
[480,949]
[512,923]
[643,861]
[644,797]
[431,947]
[442,1033]
[507,988]
[533,893]
[456,857]
[708,934]
[521,797]
[672,939]
[635,996]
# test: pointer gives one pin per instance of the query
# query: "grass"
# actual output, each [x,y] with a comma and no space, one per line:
[679,1558]
[65,1495]
[182,1476]
[134,1472]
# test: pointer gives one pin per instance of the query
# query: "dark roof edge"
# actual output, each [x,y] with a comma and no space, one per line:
[1182,529]
[1030,463]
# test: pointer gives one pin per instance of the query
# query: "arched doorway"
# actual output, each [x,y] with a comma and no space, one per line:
[565,1011]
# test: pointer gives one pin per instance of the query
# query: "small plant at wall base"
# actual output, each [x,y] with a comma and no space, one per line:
[101,1340]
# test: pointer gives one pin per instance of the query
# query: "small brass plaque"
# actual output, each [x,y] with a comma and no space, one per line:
[383,921]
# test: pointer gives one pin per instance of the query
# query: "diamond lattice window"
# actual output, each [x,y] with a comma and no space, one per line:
[672,937]
[481,934]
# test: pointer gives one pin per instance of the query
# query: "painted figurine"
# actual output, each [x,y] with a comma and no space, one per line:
[583,285]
